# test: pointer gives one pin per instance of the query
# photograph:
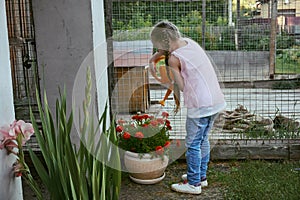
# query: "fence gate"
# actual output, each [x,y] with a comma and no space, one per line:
[24,68]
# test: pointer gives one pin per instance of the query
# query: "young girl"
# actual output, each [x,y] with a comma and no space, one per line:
[195,76]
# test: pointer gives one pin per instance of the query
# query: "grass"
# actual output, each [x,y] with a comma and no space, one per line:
[286,67]
[257,179]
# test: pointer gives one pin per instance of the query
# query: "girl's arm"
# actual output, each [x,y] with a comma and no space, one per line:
[174,63]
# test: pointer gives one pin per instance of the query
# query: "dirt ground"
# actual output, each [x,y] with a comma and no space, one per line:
[133,191]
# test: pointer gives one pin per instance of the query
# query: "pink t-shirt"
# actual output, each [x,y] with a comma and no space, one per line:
[201,87]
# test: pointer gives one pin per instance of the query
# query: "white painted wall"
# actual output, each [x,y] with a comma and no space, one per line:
[68,33]
[10,187]
[63,32]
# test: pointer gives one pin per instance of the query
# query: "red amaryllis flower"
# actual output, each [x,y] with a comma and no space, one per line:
[119,128]
[159,150]
[167,144]
[165,114]
[126,135]
[139,135]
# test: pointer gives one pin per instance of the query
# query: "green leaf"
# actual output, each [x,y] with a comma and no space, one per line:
[39,167]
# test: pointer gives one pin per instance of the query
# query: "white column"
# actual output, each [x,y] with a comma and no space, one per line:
[10,187]
[100,53]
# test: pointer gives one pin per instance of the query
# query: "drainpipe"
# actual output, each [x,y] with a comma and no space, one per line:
[11,187]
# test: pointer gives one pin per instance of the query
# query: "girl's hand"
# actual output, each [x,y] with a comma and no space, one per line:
[157,55]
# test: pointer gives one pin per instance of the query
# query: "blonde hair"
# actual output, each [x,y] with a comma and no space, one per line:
[163,32]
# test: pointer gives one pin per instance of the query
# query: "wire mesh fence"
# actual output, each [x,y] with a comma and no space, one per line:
[236,34]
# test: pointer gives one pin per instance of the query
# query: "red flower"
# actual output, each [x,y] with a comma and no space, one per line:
[121,121]
[135,117]
[153,122]
[126,135]
[160,120]
[159,150]
[167,144]
[140,117]
[139,135]
[168,122]
[145,116]
[165,114]
[169,127]
[119,128]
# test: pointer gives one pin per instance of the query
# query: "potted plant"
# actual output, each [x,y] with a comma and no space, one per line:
[145,141]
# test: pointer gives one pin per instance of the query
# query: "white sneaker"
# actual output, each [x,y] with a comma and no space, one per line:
[186,188]
[203,183]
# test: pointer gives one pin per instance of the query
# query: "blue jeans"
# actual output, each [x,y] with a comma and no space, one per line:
[198,147]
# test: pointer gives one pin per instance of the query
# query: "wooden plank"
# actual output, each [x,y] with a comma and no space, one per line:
[226,152]
[16,17]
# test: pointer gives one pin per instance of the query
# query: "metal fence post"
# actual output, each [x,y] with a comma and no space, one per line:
[273,34]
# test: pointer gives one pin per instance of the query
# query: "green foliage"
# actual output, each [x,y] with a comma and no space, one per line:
[285,41]
[288,60]
[148,11]
[131,35]
[136,17]
[71,173]
[221,21]
[193,18]
[227,39]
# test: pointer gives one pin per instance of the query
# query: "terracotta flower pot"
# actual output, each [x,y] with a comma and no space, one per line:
[146,169]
